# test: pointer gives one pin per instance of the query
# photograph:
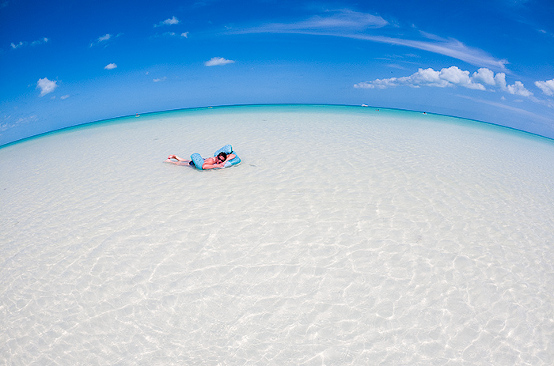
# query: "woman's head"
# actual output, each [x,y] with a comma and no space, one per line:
[221,156]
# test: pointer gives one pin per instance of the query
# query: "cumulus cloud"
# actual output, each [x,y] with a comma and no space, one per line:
[217,61]
[185,34]
[484,76]
[110,66]
[46,86]
[171,21]
[518,89]
[451,77]
[459,77]
[547,87]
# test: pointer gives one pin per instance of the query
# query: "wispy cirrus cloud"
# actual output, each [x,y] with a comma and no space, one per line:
[17,45]
[20,44]
[172,34]
[510,108]
[446,47]
[356,25]
[339,20]
[9,121]
[103,40]
[482,79]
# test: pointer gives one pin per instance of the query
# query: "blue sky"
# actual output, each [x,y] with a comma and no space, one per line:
[64,63]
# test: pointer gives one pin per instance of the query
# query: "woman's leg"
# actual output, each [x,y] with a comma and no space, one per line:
[180,161]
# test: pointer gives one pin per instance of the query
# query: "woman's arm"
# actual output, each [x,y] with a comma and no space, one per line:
[211,163]
[213,166]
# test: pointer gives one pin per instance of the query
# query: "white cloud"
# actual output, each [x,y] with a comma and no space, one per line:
[170,21]
[518,89]
[425,77]
[217,61]
[485,76]
[509,108]
[172,34]
[110,66]
[34,43]
[351,24]
[46,86]
[500,80]
[547,87]
[344,20]
[450,77]
[17,45]
[341,19]
[104,38]
[40,41]
[7,122]
[460,77]
[446,47]
[157,80]
[64,97]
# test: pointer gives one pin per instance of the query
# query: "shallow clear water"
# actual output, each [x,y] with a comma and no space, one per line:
[347,236]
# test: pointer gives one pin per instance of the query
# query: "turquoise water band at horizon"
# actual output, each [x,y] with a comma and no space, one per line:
[282,107]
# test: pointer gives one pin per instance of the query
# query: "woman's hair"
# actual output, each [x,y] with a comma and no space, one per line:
[222,154]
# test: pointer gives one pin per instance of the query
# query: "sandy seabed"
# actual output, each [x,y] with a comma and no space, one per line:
[346,236]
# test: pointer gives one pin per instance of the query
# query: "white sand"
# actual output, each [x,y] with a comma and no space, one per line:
[346,236]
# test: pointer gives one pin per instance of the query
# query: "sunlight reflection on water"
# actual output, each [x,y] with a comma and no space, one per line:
[346,236]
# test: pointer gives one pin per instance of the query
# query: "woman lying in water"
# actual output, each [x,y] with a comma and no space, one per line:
[209,163]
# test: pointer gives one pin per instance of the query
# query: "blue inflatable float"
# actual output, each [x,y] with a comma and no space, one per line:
[228,149]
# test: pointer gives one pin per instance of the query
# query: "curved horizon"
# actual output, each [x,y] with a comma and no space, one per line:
[417,55]
[68,128]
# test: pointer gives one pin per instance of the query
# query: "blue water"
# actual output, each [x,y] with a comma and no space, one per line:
[283,108]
